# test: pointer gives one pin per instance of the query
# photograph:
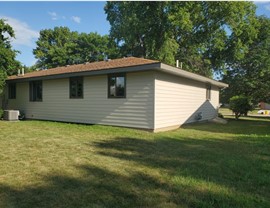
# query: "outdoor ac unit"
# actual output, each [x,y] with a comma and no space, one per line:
[11,115]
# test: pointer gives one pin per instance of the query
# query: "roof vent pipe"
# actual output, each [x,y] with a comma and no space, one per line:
[19,72]
[181,64]
[22,71]
[177,63]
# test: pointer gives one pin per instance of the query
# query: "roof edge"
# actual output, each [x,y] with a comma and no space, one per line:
[180,72]
[157,66]
[137,68]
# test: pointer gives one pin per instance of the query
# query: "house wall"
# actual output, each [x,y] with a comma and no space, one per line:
[154,100]
[264,106]
[136,110]
[179,100]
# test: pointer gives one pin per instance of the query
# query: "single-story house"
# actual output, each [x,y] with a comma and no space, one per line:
[264,106]
[129,92]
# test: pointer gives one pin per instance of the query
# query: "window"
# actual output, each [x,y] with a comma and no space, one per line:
[76,87]
[117,86]
[35,91]
[208,92]
[12,91]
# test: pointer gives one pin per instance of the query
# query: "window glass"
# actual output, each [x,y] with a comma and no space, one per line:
[116,86]
[76,87]
[112,91]
[120,86]
[208,92]
[35,91]
[12,91]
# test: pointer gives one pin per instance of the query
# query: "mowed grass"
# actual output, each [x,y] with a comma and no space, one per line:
[50,164]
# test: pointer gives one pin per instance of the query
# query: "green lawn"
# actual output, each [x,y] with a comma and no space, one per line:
[49,164]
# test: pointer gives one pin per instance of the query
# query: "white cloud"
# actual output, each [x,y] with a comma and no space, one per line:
[76,19]
[24,35]
[53,15]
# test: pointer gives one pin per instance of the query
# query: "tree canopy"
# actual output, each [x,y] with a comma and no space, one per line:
[8,63]
[55,47]
[205,36]
[60,46]
[250,76]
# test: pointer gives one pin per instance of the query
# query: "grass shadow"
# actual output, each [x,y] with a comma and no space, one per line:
[246,126]
[101,188]
[164,170]
[219,162]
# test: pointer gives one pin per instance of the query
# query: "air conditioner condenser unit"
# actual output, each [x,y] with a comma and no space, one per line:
[11,115]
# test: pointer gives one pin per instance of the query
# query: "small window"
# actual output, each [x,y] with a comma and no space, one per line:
[76,87]
[12,91]
[208,92]
[35,91]
[117,86]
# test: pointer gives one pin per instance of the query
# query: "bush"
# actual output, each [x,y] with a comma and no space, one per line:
[240,105]
[220,115]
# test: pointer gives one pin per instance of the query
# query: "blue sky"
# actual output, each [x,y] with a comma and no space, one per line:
[28,18]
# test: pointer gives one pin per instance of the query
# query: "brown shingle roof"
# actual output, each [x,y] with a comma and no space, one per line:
[94,66]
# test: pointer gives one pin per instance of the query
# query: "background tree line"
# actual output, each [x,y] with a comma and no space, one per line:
[60,46]
[214,39]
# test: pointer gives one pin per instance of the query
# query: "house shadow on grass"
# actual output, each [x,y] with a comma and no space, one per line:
[196,174]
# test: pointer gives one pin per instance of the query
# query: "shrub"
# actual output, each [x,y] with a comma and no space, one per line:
[220,115]
[240,105]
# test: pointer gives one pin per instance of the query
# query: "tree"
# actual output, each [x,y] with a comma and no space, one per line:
[8,63]
[240,105]
[142,29]
[55,47]
[60,46]
[94,47]
[213,35]
[250,76]
[205,36]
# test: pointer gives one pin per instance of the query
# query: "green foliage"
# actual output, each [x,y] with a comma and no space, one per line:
[3,77]
[8,63]
[54,47]
[94,47]
[240,105]
[142,29]
[205,36]
[30,68]
[60,46]
[220,115]
[250,76]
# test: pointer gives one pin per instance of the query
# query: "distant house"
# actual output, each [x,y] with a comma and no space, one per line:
[129,92]
[264,106]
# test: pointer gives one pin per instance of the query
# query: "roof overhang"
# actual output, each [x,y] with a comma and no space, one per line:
[144,67]
[182,73]
[139,68]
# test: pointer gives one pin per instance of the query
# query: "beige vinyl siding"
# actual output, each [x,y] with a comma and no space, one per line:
[178,100]
[136,110]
